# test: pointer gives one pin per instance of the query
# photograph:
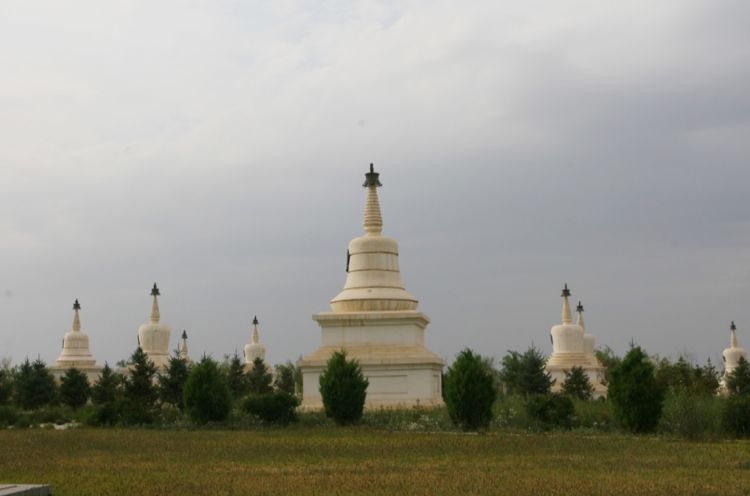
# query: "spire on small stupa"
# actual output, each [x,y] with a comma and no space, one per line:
[733,338]
[254,349]
[566,318]
[373,220]
[579,310]
[76,317]
[155,305]
[182,348]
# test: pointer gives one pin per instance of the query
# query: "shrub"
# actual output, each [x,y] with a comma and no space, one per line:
[525,374]
[172,382]
[549,411]
[691,416]
[577,384]
[259,378]
[469,391]
[74,388]
[275,408]
[343,389]
[207,395]
[35,386]
[735,417]
[8,416]
[635,395]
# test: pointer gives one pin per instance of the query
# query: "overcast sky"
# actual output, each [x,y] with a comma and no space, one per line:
[218,148]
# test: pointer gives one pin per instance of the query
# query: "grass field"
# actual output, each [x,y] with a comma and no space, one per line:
[367,461]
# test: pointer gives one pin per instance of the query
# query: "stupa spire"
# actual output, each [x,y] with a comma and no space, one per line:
[183,348]
[566,318]
[579,310]
[76,317]
[255,339]
[155,305]
[733,339]
[373,220]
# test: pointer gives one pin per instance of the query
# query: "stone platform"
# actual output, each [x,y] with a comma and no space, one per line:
[25,490]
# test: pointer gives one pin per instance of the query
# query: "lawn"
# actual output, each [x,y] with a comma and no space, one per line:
[367,461]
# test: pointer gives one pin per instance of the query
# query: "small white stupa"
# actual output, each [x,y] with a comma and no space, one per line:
[731,357]
[153,337]
[254,349]
[182,347]
[75,351]
[377,323]
[573,347]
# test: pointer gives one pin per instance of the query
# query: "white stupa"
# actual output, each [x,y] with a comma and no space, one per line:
[377,323]
[182,347]
[153,337]
[75,351]
[731,357]
[573,347]
[254,349]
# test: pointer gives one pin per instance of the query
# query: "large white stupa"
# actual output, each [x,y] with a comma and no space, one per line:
[254,349]
[75,351]
[731,357]
[377,323]
[153,337]
[573,347]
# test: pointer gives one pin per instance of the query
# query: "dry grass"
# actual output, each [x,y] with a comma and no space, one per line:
[366,461]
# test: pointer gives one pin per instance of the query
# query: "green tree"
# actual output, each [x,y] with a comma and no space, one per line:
[6,386]
[608,359]
[636,397]
[35,386]
[237,378]
[284,380]
[707,378]
[106,387]
[139,390]
[277,407]
[577,384]
[343,389]
[74,388]
[738,381]
[172,381]
[525,374]
[259,378]
[207,394]
[470,391]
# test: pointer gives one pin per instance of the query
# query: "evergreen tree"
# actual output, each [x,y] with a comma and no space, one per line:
[139,390]
[259,379]
[207,395]
[525,374]
[284,380]
[35,386]
[635,395]
[577,384]
[708,378]
[74,388]
[6,386]
[738,381]
[106,388]
[172,381]
[236,377]
[470,391]
[343,389]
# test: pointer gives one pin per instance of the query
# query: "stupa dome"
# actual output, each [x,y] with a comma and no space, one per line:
[153,337]
[373,280]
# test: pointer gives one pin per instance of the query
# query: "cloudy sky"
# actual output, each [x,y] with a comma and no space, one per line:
[218,148]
